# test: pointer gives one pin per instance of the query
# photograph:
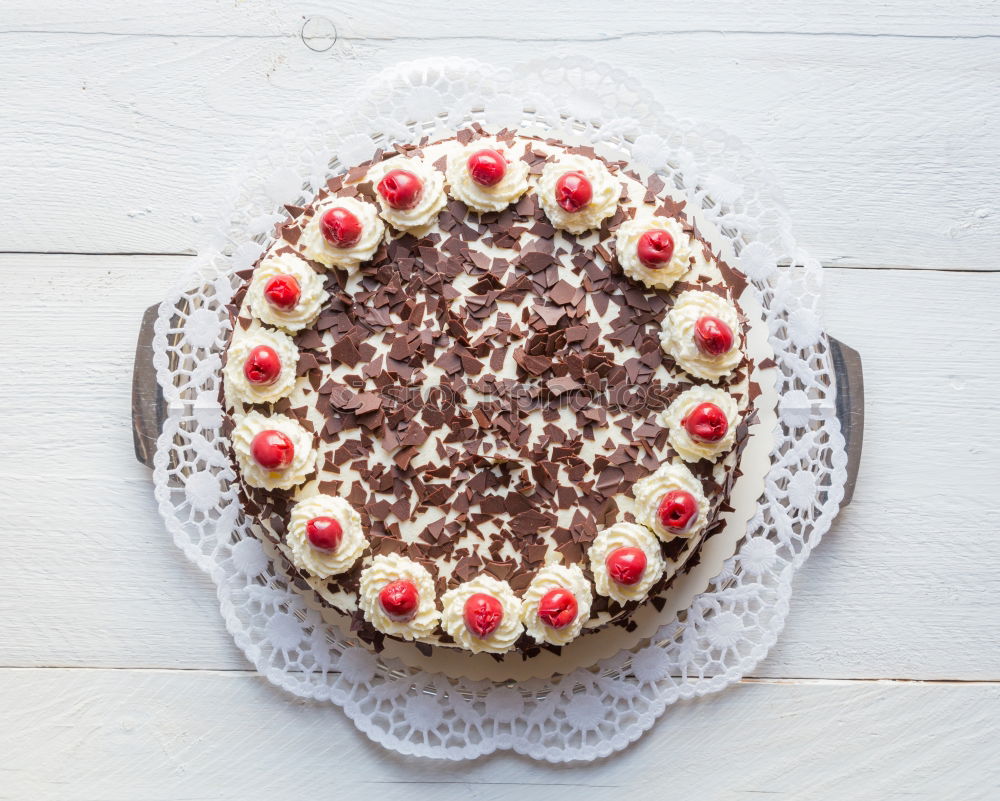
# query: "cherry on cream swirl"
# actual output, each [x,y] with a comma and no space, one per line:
[315,246]
[549,578]
[313,295]
[486,198]
[238,388]
[624,535]
[303,460]
[627,250]
[453,617]
[432,196]
[606,193]
[650,490]
[690,449]
[678,336]
[384,569]
[318,562]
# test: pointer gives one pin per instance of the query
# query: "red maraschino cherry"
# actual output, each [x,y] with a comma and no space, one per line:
[626,565]
[282,292]
[272,450]
[340,227]
[401,189]
[324,533]
[558,608]
[487,167]
[262,366]
[706,422]
[712,336]
[677,511]
[483,614]
[655,248]
[573,191]
[399,599]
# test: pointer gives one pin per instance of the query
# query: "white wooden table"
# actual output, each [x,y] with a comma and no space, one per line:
[119,126]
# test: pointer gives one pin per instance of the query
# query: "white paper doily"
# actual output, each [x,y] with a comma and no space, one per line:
[590,712]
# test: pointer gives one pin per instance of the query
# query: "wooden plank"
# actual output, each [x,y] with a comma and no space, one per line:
[880,142]
[73,482]
[77,735]
[905,586]
[521,20]
[907,576]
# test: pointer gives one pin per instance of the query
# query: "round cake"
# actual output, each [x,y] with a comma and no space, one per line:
[488,392]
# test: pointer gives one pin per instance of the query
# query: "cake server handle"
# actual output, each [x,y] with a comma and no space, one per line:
[850,404]
[149,409]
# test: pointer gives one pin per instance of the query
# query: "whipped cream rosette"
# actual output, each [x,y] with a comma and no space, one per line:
[482,614]
[556,604]
[671,502]
[702,333]
[274,451]
[626,562]
[578,193]
[286,292]
[325,535]
[702,423]
[410,192]
[397,597]
[342,232]
[260,365]
[486,175]
[653,250]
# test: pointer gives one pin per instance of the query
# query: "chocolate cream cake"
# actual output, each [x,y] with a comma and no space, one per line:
[488,392]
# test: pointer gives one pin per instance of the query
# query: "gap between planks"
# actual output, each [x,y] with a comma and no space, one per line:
[617,37]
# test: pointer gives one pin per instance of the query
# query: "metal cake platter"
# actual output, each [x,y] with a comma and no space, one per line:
[149,408]
[850,400]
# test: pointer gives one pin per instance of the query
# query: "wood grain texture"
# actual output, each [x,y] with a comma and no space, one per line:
[123,735]
[884,145]
[518,20]
[905,586]
[908,574]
